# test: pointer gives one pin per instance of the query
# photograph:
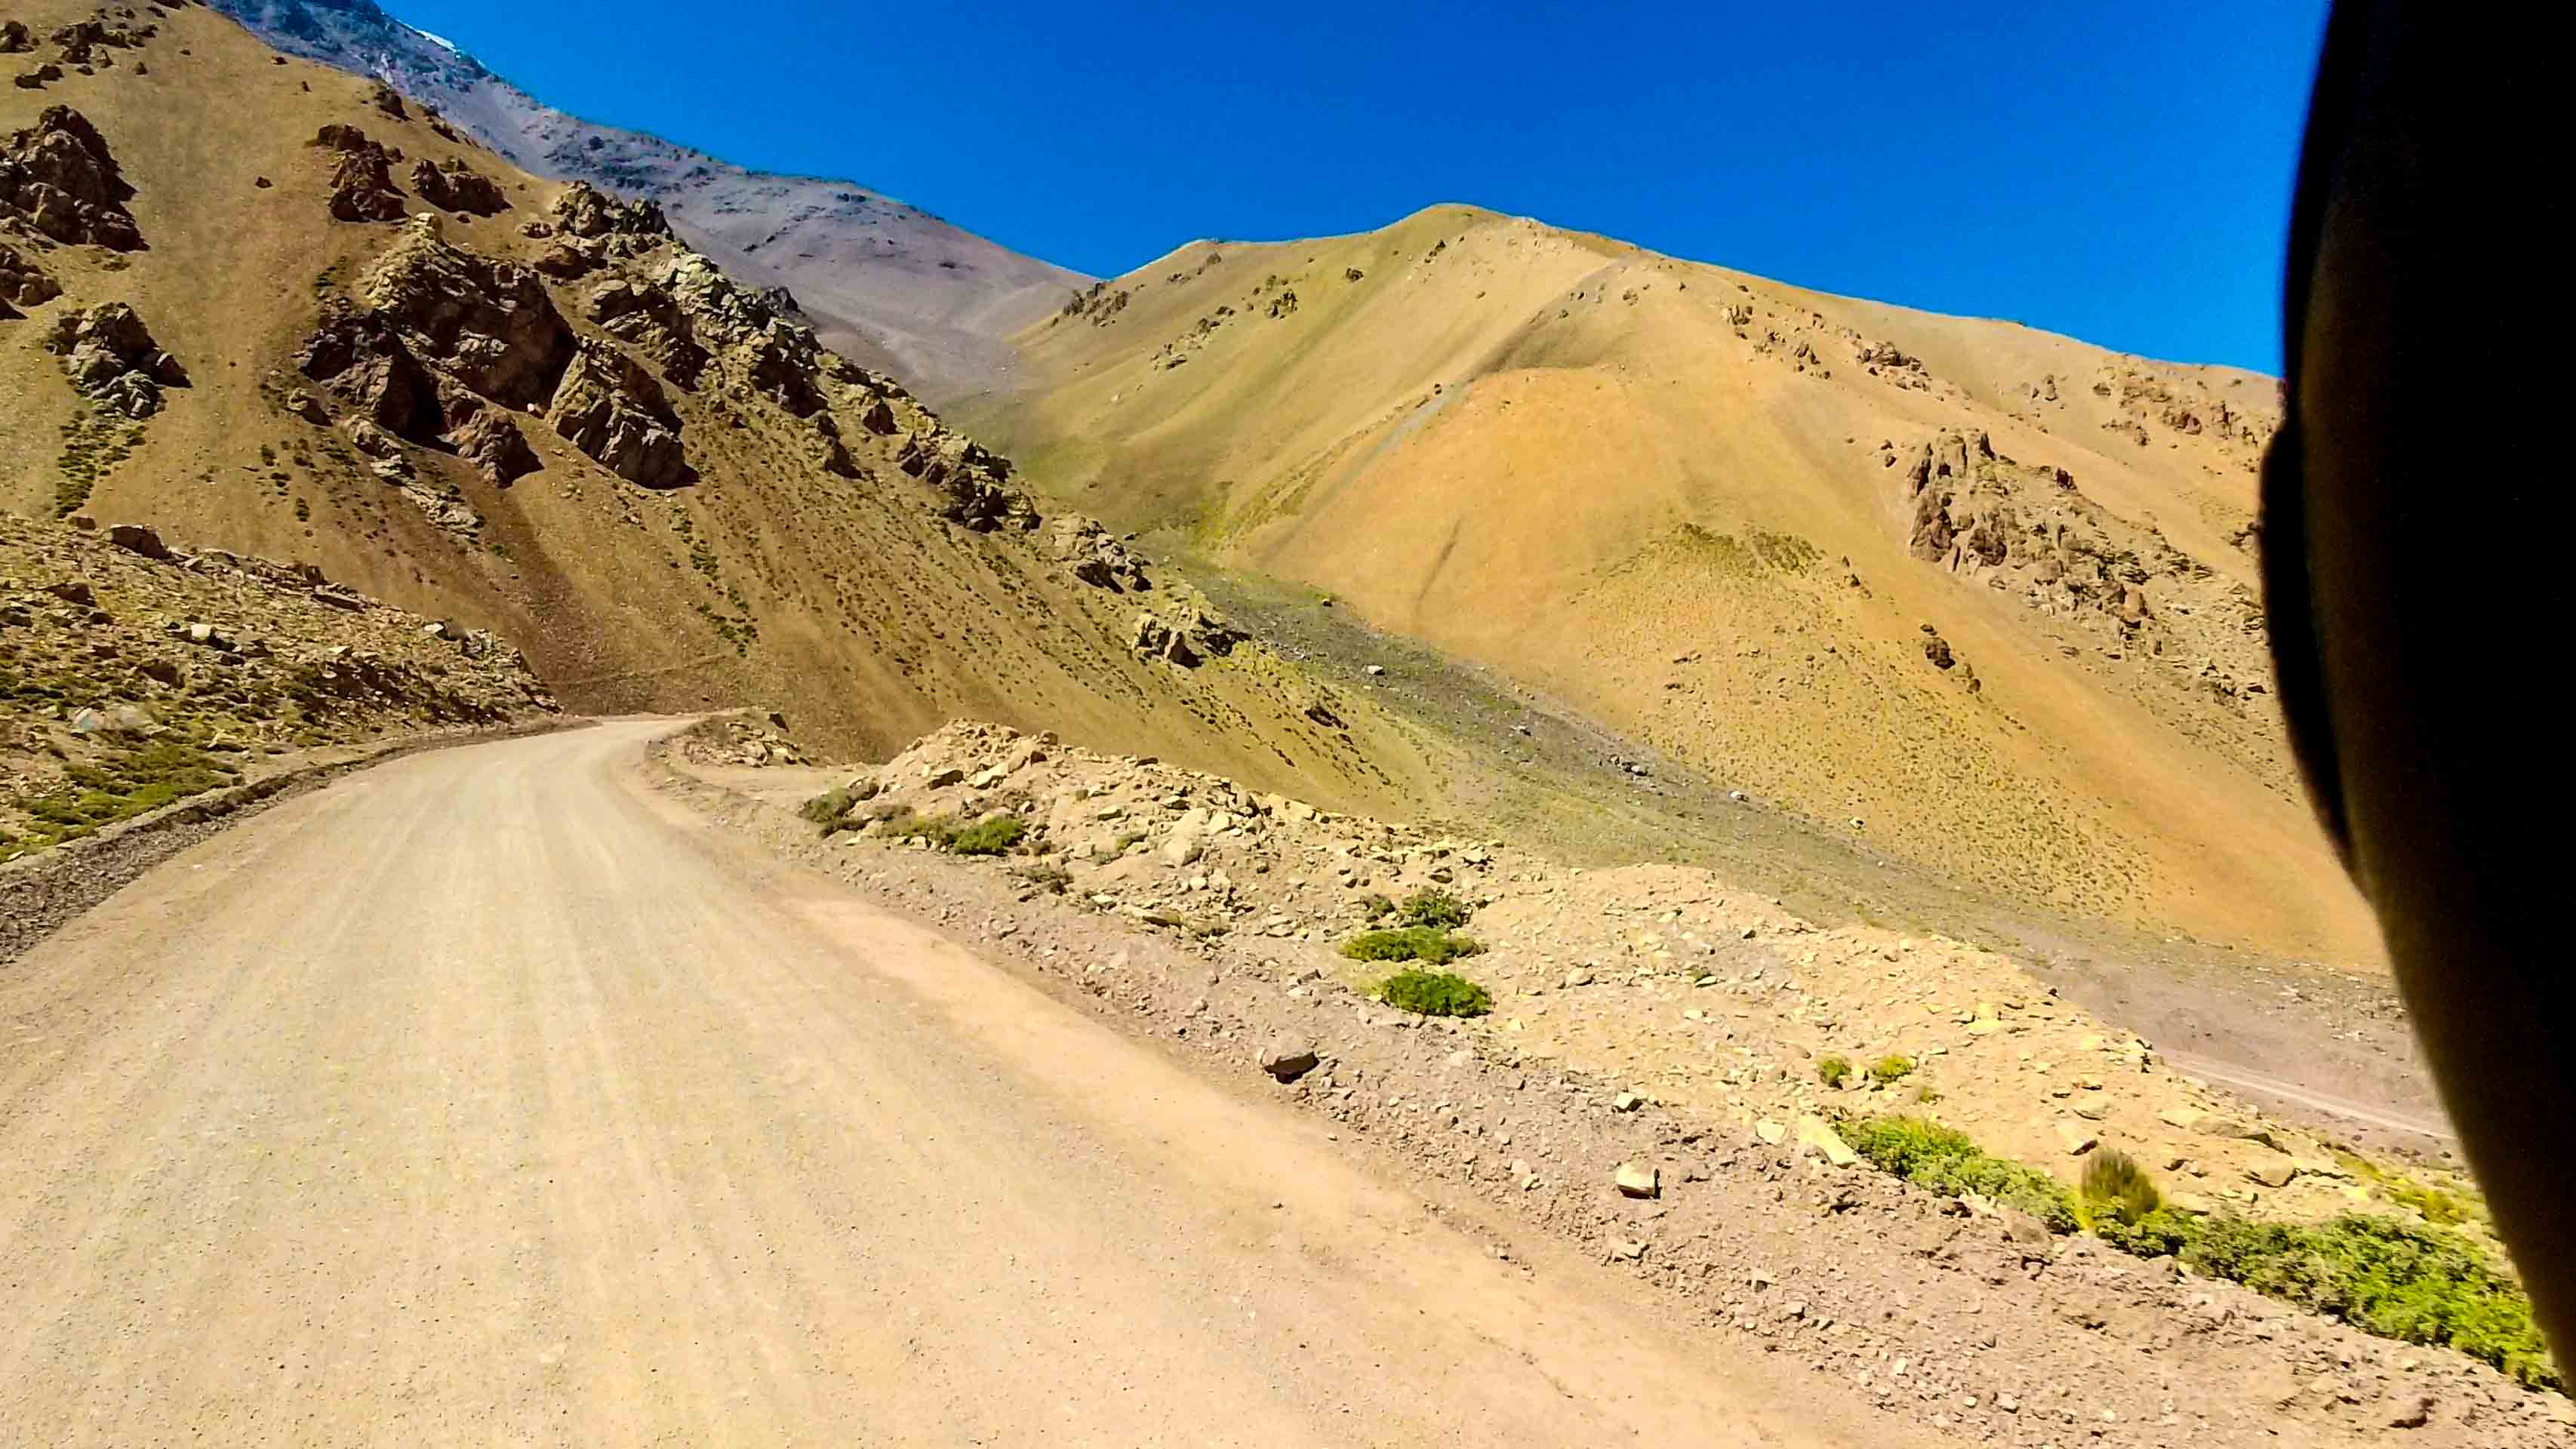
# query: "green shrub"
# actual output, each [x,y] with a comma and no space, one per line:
[2398,1280]
[1949,1162]
[2159,1233]
[910,824]
[1435,993]
[1891,1067]
[1411,943]
[828,808]
[1434,908]
[1833,1071]
[989,837]
[2117,1189]
[1374,905]
[2415,1284]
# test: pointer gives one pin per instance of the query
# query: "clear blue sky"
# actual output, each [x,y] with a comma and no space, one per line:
[2120,173]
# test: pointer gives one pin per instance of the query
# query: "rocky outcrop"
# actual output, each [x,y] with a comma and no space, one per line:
[1196,637]
[971,476]
[779,359]
[488,323]
[451,185]
[1094,555]
[16,38]
[362,359]
[362,176]
[650,318]
[584,210]
[1099,304]
[2028,531]
[389,101]
[113,360]
[22,282]
[612,410]
[58,179]
[490,441]
[86,43]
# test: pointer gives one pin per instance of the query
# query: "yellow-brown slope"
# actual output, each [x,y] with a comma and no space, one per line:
[1982,594]
[858,595]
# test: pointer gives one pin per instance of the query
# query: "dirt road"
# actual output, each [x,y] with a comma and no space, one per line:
[485,1098]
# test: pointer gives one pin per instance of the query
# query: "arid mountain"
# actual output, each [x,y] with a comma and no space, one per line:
[884,283]
[271,308]
[1982,596]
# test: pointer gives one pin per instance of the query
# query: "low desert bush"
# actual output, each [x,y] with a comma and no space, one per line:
[2117,1189]
[2416,1283]
[992,836]
[1890,1068]
[1435,993]
[1950,1162]
[1435,908]
[1833,1071]
[1410,943]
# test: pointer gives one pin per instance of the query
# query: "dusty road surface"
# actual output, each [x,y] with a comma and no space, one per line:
[485,1098]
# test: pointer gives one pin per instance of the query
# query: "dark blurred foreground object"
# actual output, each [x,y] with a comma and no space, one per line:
[2416,551]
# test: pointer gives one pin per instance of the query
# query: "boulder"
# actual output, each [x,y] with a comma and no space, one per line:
[1638,1179]
[15,37]
[137,538]
[1288,1058]
[58,179]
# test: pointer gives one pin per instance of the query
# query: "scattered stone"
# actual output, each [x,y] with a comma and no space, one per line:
[1288,1058]
[1636,1179]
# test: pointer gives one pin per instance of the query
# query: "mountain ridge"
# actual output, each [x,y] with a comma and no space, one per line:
[887,283]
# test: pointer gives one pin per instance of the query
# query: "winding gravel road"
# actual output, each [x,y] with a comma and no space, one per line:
[487,1097]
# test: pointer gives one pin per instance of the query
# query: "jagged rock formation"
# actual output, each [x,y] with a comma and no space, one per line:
[113,360]
[973,478]
[1100,305]
[586,211]
[611,408]
[1094,555]
[650,318]
[2029,531]
[362,176]
[58,180]
[490,323]
[451,185]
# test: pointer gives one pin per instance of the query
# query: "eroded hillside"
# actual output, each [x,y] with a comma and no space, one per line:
[1980,595]
[270,307]
[883,282]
